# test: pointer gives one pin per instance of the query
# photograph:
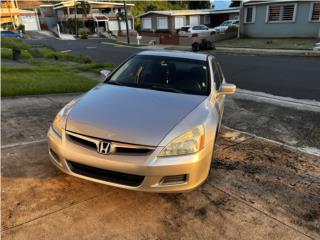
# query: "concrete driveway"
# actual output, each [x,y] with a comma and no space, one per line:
[256,190]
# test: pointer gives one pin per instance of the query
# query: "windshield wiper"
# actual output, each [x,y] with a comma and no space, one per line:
[128,84]
[115,83]
[164,88]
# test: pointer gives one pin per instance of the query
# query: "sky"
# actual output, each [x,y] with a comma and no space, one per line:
[220,4]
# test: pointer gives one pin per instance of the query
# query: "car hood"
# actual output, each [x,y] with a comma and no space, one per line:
[130,115]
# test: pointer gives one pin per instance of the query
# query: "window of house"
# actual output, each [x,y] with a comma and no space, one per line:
[281,13]
[146,23]
[162,23]
[206,19]
[194,20]
[179,21]
[250,14]
[315,12]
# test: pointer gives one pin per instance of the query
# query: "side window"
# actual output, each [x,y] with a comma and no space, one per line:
[217,74]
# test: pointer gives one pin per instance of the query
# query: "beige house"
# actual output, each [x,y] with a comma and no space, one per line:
[170,21]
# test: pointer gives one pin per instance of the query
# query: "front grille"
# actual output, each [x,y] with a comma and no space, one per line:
[174,179]
[106,175]
[83,142]
[119,148]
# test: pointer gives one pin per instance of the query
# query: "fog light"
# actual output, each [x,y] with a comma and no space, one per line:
[174,179]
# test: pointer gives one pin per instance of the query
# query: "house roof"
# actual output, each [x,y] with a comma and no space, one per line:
[24,12]
[177,12]
[254,2]
[190,12]
[229,10]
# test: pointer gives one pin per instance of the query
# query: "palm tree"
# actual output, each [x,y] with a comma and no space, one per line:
[85,6]
[120,17]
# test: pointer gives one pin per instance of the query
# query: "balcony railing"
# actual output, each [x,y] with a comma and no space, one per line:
[88,16]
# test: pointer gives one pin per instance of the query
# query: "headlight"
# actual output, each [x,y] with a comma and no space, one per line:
[189,142]
[60,120]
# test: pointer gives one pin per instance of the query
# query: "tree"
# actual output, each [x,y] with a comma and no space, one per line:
[151,8]
[199,4]
[85,7]
[120,17]
[145,6]
[234,4]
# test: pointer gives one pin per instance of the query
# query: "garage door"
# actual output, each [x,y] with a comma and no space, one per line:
[30,23]
[114,26]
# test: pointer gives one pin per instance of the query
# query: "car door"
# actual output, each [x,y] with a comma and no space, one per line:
[203,31]
[195,29]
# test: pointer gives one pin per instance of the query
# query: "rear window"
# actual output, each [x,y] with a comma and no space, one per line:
[165,74]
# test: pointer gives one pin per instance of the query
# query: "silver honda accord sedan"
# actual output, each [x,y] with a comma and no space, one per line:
[150,126]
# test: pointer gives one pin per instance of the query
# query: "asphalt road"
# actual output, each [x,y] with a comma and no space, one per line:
[296,77]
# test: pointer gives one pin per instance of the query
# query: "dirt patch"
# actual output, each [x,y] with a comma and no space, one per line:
[272,178]
[286,125]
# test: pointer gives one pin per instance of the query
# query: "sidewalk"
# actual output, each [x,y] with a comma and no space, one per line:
[279,52]
[254,51]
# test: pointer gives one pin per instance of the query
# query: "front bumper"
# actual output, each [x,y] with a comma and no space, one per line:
[195,167]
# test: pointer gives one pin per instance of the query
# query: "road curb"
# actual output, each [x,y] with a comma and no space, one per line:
[269,52]
[299,104]
[314,152]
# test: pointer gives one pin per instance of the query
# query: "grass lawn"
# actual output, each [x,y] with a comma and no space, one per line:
[43,79]
[269,43]
[28,52]
[47,71]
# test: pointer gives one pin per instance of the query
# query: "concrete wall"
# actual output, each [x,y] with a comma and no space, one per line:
[302,27]
[187,41]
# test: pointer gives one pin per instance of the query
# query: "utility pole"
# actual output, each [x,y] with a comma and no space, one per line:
[75,17]
[126,19]
[241,19]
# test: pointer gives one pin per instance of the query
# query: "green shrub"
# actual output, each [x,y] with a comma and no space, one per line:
[22,28]
[7,42]
[7,53]
[95,67]
[83,34]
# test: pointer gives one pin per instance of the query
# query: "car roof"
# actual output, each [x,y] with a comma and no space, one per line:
[176,54]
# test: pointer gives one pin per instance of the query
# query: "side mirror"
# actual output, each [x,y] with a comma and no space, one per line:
[104,74]
[227,88]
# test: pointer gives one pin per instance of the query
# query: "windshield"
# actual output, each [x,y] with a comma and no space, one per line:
[185,29]
[226,23]
[164,74]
